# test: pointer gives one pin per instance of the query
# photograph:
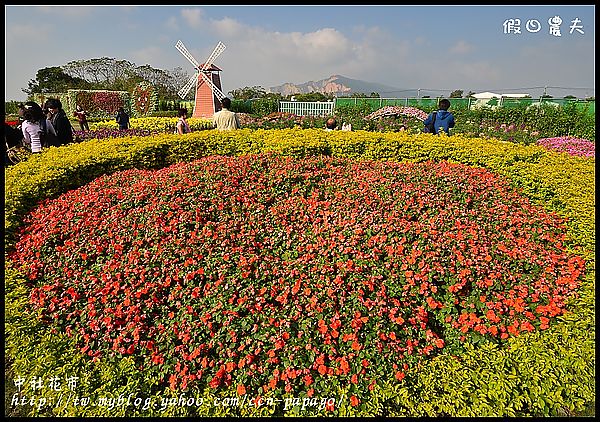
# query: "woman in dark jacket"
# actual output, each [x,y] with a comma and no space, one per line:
[60,121]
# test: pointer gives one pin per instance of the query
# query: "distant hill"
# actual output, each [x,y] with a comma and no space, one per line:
[339,86]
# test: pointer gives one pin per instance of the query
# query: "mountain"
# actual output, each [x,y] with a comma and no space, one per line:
[338,85]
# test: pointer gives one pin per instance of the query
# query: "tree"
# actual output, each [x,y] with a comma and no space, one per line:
[53,79]
[358,95]
[313,96]
[470,94]
[122,75]
[456,93]
[248,93]
[175,81]
[273,96]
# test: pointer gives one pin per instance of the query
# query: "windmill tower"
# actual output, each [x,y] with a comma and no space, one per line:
[206,80]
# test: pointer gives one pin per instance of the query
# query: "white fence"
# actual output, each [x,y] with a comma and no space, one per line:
[307,108]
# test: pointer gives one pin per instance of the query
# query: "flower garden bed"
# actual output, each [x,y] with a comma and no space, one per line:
[569,144]
[427,287]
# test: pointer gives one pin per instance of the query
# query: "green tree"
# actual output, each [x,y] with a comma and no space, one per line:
[248,93]
[274,96]
[456,93]
[313,96]
[53,79]
[123,75]
[103,72]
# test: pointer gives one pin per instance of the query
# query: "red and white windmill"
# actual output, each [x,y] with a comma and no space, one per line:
[207,81]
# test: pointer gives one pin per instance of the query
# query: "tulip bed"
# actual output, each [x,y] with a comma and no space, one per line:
[397,287]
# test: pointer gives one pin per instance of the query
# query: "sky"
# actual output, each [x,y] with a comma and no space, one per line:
[437,49]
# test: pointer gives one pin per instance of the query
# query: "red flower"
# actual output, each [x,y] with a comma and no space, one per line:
[229,265]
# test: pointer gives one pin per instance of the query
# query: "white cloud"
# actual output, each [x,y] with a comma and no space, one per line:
[256,56]
[194,18]
[146,55]
[461,47]
[70,12]
[172,23]
[23,34]
[228,27]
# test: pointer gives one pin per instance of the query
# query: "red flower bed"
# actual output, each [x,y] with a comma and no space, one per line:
[263,271]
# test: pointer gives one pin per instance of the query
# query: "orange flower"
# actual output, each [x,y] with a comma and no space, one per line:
[273,383]
[344,366]
[241,390]
[354,401]
[173,382]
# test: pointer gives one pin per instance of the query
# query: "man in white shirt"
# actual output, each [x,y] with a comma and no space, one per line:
[225,119]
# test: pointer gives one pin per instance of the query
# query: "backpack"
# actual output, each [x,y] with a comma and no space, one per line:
[430,128]
[48,139]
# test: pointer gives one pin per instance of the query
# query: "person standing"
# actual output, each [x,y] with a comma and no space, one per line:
[81,116]
[60,121]
[34,124]
[226,119]
[444,120]
[182,125]
[122,119]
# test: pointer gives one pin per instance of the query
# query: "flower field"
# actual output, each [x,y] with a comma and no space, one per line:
[570,145]
[395,286]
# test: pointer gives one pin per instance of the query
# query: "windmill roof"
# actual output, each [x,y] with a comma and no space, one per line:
[212,68]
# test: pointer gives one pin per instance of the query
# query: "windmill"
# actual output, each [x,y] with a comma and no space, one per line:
[207,81]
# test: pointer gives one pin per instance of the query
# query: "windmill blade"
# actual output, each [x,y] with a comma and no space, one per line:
[218,50]
[213,87]
[186,88]
[179,46]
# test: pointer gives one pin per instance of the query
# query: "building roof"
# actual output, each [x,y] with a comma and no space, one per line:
[487,95]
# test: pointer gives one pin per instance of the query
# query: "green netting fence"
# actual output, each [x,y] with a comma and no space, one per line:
[462,103]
